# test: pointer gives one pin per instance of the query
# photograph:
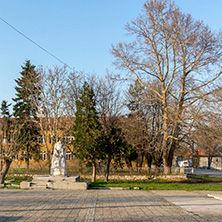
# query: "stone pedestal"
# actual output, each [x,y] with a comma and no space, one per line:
[25,185]
[56,182]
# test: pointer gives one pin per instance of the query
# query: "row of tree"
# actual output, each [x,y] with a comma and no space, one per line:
[56,102]
[177,60]
[171,105]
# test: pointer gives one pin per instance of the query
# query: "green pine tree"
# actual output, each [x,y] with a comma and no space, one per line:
[5,113]
[24,110]
[24,107]
[88,133]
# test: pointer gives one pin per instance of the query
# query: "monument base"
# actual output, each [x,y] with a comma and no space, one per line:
[55,182]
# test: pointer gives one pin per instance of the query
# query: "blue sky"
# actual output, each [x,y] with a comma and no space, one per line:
[80,33]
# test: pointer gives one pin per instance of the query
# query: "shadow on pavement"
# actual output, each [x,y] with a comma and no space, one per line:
[2,218]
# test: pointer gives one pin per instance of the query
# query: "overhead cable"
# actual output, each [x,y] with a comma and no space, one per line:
[25,36]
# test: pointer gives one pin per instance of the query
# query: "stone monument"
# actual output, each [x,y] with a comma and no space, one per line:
[57,178]
[58,165]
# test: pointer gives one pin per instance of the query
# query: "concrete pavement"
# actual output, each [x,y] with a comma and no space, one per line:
[108,205]
[205,205]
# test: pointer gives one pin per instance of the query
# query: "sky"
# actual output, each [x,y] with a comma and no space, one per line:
[79,33]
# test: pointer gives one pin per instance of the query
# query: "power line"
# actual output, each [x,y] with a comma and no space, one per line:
[25,36]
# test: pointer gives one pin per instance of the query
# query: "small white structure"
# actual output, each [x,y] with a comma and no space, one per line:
[58,165]
[57,179]
[184,163]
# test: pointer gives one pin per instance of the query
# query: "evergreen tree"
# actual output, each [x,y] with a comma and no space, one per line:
[88,133]
[24,109]
[115,149]
[5,113]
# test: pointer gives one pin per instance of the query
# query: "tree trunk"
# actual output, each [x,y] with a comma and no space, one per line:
[6,165]
[27,165]
[157,170]
[94,172]
[149,159]
[168,157]
[167,161]
[141,163]
[149,170]
[209,161]
[107,170]
[137,163]
[167,170]
[27,158]
[49,159]
[27,161]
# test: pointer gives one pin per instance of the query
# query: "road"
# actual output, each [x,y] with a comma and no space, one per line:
[211,173]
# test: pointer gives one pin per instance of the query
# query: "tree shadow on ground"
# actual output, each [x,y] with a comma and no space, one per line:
[3,218]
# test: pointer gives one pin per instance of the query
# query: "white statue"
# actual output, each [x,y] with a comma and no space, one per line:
[58,165]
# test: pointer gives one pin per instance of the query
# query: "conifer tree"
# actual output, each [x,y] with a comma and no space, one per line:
[88,133]
[24,107]
[24,110]
[115,149]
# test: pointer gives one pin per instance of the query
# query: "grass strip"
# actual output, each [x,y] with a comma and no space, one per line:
[159,185]
[204,178]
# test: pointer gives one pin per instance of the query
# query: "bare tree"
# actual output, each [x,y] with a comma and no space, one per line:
[12,138]
[146,111]
[208,136]
[49,97]
[109,107]
[75,82]
[181,54]
[109,102]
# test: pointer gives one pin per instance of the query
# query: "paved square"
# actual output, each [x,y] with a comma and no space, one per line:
[107,205]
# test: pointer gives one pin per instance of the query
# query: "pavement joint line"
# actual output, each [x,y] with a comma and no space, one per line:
[91,211]
[215,197]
